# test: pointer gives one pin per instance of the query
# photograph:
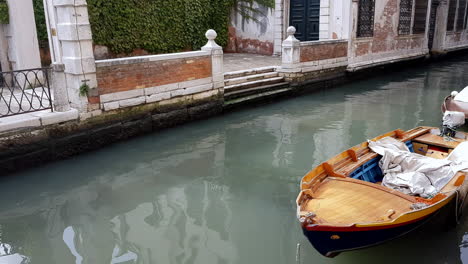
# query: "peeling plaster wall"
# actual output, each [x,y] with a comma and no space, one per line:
[340,19]
[385,44]
[456,40]
[252,36]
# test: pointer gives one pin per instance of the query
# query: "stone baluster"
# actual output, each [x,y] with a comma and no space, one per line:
[216,59]
[291,57]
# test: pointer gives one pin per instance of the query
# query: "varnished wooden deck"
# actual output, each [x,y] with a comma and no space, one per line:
[340,202]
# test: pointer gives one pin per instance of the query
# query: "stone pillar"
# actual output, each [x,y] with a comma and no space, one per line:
[23,46]
[72,45]
[291,55]
[278,26]
[217,61]
[352,30]
[59,84]
[438,46]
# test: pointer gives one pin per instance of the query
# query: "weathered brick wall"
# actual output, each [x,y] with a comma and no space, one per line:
[138,75]
[386,43]
[323,55]
[128,82]
[316,51]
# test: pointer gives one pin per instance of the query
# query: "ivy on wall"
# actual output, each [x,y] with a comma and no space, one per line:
[39,17]
[157,26]
[4,15]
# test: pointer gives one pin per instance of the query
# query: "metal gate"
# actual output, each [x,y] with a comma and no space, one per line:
[305,17]
[24,91]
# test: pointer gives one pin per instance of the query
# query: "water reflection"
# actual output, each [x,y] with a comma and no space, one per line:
[222,190]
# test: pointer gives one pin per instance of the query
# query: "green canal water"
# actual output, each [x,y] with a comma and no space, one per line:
[222,190]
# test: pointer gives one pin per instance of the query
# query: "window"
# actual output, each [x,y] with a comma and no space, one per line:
[406,12]
[451,14]
[365,27]
[461,14]
[420,15]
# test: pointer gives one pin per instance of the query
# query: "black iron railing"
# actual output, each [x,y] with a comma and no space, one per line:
[25,91]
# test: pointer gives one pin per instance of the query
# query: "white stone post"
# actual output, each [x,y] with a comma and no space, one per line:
[58,85]
[352,30]
[291,55]
[72,45]
[216,59]
[278,26]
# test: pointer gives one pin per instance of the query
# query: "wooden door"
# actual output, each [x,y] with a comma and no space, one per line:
[305,17]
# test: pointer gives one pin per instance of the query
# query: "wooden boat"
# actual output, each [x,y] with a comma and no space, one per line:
[456,102]
[342,206]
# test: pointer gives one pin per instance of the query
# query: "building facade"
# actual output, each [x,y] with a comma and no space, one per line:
[313,19]
[377,31]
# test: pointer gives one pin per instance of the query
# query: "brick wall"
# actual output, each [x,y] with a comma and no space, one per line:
[130,76]
[315,51]
[141,80]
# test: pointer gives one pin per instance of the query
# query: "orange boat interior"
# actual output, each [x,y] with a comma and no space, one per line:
[346,189]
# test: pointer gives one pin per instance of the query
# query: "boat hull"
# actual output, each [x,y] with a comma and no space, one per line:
[452,105]
[330,241]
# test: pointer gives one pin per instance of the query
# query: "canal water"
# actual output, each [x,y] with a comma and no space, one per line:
[223,190]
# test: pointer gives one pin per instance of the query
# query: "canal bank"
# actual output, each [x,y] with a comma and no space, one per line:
[89,98]
[196,193]
[47,140]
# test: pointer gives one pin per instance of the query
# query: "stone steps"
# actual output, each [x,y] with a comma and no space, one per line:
[255,98]
[249,86]
[243,73]
[250,78]
[235,94]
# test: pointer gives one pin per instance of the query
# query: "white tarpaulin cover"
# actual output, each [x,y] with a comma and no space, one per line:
[462,96]
[412,173]
[453,119]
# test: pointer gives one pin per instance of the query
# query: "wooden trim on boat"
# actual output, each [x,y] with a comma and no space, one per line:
[348,161]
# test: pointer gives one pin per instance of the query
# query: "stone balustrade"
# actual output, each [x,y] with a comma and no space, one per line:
[132,81]
[302,61]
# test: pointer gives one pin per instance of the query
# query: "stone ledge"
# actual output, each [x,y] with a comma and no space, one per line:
[112,97]
[149,58]
[56,117]
[373,63]
[36,119]
[323,42]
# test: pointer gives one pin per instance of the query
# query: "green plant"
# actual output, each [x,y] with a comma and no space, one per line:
[39,17]
[158,26]
[4,15]
[84,89]
[248,10]
[163,26]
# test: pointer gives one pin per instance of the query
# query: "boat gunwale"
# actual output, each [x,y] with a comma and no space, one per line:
[361,148]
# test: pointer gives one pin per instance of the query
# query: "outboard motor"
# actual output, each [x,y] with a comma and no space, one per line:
[451,122]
